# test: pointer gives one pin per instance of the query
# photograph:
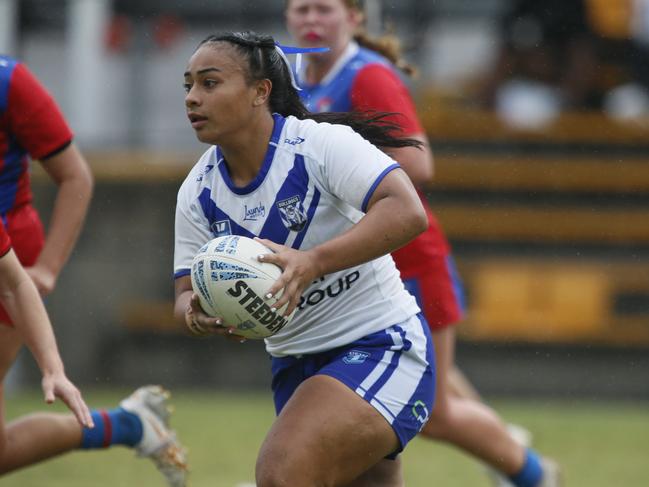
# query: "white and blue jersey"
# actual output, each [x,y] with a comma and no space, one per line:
[314,184]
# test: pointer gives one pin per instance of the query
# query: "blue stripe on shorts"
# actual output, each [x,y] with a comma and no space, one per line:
[393,370]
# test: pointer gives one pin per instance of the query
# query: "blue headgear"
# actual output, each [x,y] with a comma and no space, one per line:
[284,50]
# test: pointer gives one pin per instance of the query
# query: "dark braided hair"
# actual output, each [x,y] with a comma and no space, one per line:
[264,62]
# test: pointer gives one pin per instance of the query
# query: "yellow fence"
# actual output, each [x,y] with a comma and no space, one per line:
[553,301]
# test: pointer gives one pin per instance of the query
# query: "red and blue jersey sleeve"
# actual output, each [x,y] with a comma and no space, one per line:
[31,124]
[368,92]
[5,242]
[34,119]
[378,87]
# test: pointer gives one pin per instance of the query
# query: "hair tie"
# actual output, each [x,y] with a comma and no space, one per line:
[284,50]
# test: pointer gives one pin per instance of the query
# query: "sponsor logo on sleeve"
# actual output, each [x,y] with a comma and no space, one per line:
[294,141]
[204,172]
[221,228]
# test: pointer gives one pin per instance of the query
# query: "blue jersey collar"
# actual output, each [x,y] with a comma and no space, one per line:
[279,122]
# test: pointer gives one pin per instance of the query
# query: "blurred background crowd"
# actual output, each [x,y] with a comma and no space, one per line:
[528,61]
[538,115]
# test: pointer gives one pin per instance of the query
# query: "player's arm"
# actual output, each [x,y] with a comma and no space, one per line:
[394,216]
[191,232]
[69,170]
[187,309]
[417,162]
[38,125]
[183,294]
[368,93]
[20,298]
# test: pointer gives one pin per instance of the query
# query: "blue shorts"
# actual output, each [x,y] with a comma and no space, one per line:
[393,370]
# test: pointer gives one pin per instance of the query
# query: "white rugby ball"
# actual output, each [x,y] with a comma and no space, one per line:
[231,283]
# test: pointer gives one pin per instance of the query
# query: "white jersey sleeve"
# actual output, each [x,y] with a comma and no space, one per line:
[192,226]
[351,167]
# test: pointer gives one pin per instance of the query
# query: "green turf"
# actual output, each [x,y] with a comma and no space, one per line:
[599,445]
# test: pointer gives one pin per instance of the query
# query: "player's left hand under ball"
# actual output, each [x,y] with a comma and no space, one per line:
[298,271]
[200,323]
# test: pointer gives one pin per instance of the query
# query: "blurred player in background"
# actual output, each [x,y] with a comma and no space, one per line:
[31,125]
[352,372]
[360,74]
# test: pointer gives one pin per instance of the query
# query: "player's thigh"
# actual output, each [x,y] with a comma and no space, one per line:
[444,342]
[326,435]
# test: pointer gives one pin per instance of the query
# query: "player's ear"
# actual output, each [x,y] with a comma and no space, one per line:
[263,89]
[356,17]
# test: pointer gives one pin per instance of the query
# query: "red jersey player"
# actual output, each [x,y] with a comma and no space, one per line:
[356,74]
[31,125]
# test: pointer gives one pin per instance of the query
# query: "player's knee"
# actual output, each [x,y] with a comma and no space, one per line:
[271,471]
[386,473]
[279,469]
[275,476]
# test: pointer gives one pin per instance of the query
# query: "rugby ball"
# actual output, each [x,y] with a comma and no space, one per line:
[231,284]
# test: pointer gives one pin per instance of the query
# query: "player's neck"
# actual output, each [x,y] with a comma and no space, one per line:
[245,151]
[320,65]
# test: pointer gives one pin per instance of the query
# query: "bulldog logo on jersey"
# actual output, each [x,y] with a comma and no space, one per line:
[292,212]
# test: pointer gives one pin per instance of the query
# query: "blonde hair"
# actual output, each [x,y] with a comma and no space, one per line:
[388,45]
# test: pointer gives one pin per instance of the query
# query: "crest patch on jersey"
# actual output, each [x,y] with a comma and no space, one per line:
[292,212]
[324,104]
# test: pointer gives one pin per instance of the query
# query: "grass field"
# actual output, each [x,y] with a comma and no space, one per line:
[599,445]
